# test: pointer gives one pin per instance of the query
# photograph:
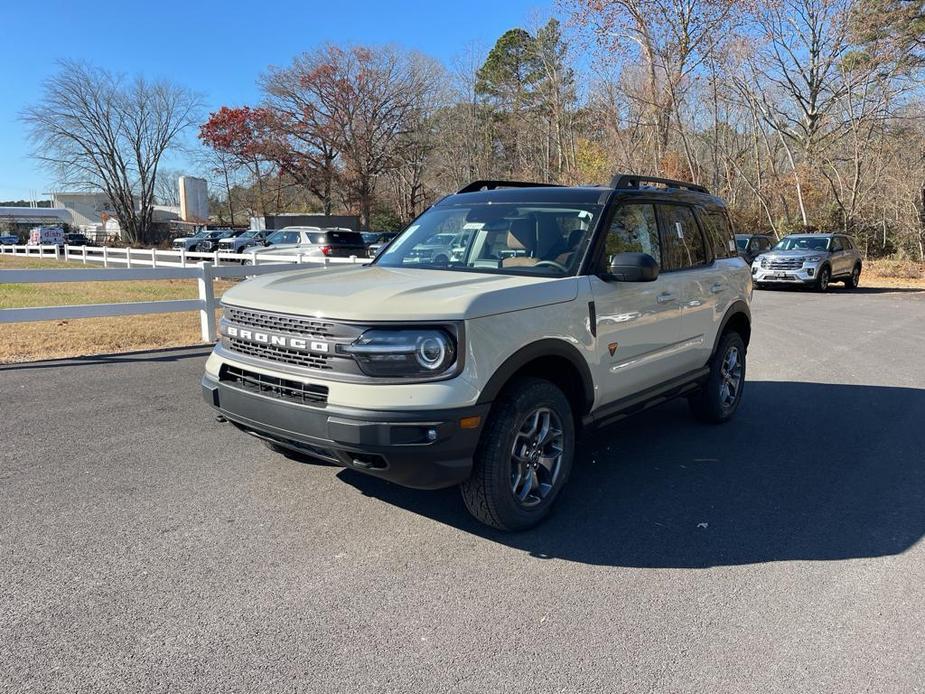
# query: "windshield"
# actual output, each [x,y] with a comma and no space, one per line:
[803,243]
[249,234]
[370,236]
[741,244]
[511,238]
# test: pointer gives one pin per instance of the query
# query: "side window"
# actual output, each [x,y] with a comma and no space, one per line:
[719,235]
[633,230]
[836,244]
[764,244]
[684,246]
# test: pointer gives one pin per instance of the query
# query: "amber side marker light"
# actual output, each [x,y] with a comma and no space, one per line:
[470,422]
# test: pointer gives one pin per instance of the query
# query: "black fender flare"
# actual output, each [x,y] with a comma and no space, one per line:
[738,307]
[547,347]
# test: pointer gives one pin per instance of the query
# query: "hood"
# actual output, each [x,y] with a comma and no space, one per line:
[796,253]
[374,293]
[183,239]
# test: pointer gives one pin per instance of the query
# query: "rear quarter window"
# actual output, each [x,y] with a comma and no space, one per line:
[719,233]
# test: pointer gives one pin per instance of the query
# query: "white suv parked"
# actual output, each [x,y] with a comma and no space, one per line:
[566,308]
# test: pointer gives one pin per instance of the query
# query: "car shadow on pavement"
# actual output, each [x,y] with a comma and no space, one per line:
[806,471]
[165,354]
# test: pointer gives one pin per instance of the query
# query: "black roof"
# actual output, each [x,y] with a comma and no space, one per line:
[625,185]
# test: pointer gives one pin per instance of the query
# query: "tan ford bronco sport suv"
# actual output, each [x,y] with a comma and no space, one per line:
[560,308]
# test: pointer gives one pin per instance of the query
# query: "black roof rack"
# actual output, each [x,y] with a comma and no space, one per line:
[492,185]
[634,181]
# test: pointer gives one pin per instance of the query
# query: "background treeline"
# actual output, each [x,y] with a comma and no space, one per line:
[802,114]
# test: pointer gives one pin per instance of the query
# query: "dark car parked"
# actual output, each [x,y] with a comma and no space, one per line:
[75,239]
[750,246]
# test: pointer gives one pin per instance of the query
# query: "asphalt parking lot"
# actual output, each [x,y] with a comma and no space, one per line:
[145,547]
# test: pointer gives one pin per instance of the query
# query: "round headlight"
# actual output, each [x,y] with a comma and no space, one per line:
[431,351]
[403,352]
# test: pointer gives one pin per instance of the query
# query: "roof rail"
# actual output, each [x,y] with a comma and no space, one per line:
[492,185]
[634,181]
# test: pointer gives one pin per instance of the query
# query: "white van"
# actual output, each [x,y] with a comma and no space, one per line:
[46,236]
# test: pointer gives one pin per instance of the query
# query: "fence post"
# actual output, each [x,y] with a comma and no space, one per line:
[67,253]
[105,256]
[183,257]
[353,259]
[57,252]
[207,297]
[128,256]
[327,261]
[215,255]
[153,257]
[83,253]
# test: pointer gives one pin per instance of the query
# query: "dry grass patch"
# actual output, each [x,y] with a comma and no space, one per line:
[893,273]
[87,336]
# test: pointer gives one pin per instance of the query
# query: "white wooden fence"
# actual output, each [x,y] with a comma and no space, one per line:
[153,257]
[157,269]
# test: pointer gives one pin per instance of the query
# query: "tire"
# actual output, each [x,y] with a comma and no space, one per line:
[715,403]
[854,279]
[511,488]
[822,281]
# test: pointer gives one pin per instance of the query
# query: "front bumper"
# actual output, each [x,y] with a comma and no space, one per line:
[804,275]
[411,448]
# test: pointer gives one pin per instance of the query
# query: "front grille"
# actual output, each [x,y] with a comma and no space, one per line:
[783,264]
[310,360]
[279,322]
[281,388]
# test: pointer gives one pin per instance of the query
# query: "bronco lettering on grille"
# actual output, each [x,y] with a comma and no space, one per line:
[266,338]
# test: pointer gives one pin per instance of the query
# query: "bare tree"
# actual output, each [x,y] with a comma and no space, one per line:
[167,187]
[96,130]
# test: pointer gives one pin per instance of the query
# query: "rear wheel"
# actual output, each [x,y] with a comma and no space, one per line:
[854,279]
[719,398]
[524,456]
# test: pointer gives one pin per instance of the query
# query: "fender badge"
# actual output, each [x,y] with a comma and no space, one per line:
[612,347]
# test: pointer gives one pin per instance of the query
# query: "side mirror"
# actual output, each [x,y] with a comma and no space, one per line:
[633,267]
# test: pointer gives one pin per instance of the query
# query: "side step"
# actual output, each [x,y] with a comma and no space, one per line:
[657,395]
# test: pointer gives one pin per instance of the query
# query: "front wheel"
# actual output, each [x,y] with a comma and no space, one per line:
[524,456]
[721,394]
[822,281]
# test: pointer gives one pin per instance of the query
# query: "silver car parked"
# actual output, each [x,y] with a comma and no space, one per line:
[809,259]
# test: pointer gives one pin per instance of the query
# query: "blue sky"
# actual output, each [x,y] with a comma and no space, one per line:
[216,48]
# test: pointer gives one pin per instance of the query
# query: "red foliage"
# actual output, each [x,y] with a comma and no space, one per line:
[241,132]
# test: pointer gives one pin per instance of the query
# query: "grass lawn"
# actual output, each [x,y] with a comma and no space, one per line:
[85,336]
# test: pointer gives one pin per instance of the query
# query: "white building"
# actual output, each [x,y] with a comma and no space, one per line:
[85,208]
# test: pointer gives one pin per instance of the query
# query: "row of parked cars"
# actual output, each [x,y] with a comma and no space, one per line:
[329,242]
[48,236]
[813,260]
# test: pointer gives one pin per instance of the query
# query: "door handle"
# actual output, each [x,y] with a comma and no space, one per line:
[717,288]
[664,298]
